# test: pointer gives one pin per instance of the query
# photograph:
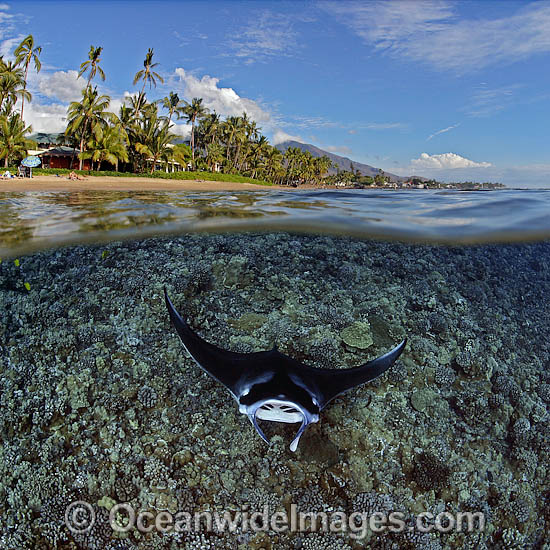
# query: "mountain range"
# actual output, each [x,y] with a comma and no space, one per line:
[344,163]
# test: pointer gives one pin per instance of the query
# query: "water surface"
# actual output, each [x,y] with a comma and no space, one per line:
[34,220]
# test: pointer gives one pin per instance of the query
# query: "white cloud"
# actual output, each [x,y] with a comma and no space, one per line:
[342,149]
[442,131]
[7,46]
[487,101]
[314,122]
[321,122]
[116,103]
[46,118]
[62,85]
[6,18]
[445,161]
[431,31]
[382,125]
[279,136]
[182,130]
[265,36]
[10,27]
[225,101]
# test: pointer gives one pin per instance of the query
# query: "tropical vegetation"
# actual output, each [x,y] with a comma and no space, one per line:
[13,88]
[142,138]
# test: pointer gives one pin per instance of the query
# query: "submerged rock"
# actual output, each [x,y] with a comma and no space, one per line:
[357,335]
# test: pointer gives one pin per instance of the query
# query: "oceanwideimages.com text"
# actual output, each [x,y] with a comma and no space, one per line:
[80,518]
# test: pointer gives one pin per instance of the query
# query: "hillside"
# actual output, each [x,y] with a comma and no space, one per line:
[343,162]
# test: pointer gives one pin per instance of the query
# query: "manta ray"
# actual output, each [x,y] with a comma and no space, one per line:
[269,385]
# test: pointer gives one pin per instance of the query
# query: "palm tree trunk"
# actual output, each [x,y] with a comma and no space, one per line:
[236,159]
[24,88]
[82,144]
[193,142]
[81,149]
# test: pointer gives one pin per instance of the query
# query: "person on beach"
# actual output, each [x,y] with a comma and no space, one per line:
[7,175]
[74,176]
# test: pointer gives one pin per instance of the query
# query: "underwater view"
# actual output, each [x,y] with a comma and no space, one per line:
[105,416]
[274,275]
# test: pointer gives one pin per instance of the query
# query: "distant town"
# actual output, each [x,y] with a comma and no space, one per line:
[355,181]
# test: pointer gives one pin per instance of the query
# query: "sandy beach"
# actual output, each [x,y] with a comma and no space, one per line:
[110,183]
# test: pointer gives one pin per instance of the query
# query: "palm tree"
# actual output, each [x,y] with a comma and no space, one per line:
[154,138]
[126,116]
[306,170]
[251,133]
[322,165]
[181,154]
[257,154]
[173,105]
[292,157]
[193,111]
[84,115]
[24,54]
[107,144]
[12,137]
[12,82]
[208,130]
[147,74]
[233,132]
[246,131]
[137,104]
[92,64]
[214,155]
[273,162]
[7,108]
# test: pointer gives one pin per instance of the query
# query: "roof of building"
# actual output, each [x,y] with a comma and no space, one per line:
[59,151]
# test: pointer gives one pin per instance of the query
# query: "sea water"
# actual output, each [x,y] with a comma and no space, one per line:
[103,415]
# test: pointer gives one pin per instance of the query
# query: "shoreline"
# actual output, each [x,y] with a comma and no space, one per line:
[50,183]
[113,183]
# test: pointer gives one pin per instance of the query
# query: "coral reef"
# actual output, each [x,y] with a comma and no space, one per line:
[100,403]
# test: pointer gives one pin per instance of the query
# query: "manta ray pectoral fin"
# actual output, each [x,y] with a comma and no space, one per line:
[225,366]
[335,382]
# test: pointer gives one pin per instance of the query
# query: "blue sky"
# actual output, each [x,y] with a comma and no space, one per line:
[453,90]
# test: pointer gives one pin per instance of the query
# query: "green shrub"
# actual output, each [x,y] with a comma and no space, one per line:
[206,176]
